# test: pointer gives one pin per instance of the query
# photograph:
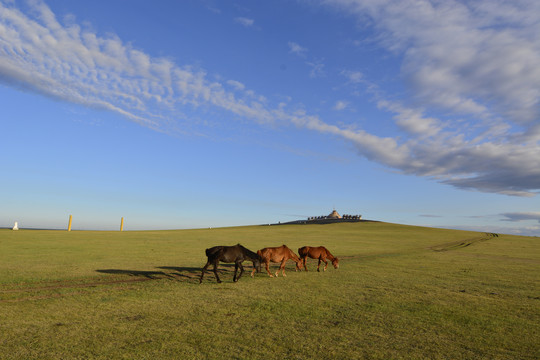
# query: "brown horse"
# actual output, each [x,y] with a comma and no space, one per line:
[278,254]
[320,253]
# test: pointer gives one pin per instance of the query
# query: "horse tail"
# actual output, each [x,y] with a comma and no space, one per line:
[303,251]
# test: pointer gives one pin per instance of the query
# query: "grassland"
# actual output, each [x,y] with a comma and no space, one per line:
[401,292]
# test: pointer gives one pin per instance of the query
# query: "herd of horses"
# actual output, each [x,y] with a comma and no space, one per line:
[237,254]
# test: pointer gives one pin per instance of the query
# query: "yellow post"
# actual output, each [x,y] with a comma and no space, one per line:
[122,224]
[69,225]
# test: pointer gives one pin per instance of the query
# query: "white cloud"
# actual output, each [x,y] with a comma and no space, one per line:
[244,21]
[297,49]
[317,69]
[236,84]
[522,216]
[477,57]
[464,59]
[412,120]
[477,61]
[69,63]
[316,66]
[354,77]
[341,105]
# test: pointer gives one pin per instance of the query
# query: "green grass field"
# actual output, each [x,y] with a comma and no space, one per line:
[401,292]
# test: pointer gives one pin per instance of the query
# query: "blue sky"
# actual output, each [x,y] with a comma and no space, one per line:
[187,114]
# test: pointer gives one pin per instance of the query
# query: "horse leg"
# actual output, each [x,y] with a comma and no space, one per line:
[282,267]
[241,271]
[325,263]
[236,266]
[323,259]
[304,262]
[277,271]
[267,264]
[235,271]
[254,270]
[215,271]
[203,270]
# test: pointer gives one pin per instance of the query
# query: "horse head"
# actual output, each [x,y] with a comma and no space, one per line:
[299,265]
[335,262]
[257,264]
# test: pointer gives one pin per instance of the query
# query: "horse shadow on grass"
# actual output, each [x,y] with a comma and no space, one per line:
[177,273]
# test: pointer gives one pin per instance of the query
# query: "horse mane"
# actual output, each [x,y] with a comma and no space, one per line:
[293,254]
[330,256]
[249,253]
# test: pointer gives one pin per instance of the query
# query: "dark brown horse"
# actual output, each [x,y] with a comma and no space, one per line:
[231,254]
[320,253]
[278,254]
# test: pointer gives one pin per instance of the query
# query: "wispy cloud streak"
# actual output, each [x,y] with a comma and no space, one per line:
[244,21]
[522,216]
[478,62]
[495,88]
[76,65]
[297,49]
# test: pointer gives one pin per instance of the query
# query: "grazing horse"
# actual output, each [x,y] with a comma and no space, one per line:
[278,254]
[231,254]
[320,253]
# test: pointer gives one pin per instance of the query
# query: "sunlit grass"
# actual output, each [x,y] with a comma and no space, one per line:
[132,295]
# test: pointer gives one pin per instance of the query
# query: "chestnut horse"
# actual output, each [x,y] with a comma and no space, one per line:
[231,254]
[320,253]
[278,254]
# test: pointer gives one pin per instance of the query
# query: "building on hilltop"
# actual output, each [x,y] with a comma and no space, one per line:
[334,215]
